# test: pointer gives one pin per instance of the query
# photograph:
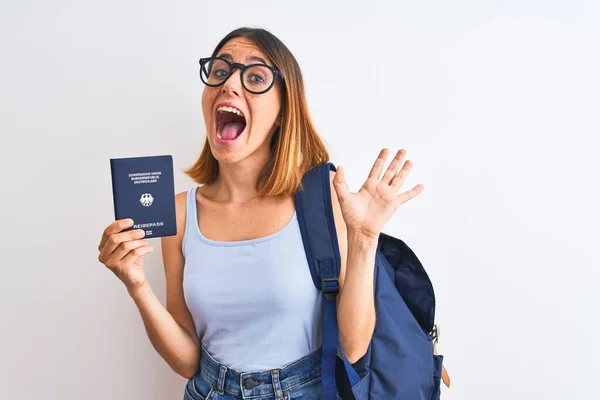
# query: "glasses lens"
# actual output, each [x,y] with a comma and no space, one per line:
[214,72]
[258,78]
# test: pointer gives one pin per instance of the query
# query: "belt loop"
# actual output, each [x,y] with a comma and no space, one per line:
[221,381]
[276,384]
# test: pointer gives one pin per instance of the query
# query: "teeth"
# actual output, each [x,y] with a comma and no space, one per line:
[231,110]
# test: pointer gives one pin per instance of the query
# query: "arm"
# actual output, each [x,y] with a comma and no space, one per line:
[360,217]
[171,331]
[355,302]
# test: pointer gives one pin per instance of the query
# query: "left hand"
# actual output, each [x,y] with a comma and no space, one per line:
[367,211]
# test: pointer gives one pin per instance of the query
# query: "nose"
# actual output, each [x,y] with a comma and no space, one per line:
[233,85]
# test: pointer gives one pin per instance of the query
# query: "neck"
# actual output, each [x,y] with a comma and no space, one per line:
[236,183]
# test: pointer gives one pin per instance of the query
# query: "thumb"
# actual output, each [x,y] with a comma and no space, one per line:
[340,185]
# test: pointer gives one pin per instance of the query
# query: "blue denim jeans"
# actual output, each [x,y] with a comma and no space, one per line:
[300,379]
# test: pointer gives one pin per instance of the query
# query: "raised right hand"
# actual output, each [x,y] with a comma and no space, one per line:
[123,252]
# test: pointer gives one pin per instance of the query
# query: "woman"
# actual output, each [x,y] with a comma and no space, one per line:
[227,326]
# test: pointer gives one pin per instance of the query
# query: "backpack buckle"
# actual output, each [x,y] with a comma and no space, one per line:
[330,287]
[435,334]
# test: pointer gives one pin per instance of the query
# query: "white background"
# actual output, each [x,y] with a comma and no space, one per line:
[496,102]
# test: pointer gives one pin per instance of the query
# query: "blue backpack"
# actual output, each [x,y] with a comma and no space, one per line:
[400,362]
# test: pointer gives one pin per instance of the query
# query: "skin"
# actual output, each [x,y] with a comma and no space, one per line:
[240,163]
[232,209]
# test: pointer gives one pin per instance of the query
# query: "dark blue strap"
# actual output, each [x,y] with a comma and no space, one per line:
[330,342]
[317,226]
[330,330]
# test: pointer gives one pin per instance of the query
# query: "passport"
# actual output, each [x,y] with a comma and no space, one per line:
[144,190]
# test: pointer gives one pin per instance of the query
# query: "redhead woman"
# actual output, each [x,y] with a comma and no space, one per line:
[227,327]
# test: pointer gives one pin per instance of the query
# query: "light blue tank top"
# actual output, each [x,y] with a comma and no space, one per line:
[253,302]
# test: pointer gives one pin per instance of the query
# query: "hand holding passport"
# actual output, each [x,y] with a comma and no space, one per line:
[144,190]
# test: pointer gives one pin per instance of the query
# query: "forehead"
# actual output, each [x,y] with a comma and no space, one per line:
[243,50]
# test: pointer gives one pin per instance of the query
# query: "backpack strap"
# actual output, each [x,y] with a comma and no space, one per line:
[317,226]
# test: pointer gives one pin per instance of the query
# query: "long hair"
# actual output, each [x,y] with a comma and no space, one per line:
[296,146]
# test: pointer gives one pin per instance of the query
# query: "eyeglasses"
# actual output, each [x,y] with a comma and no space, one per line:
[256,78]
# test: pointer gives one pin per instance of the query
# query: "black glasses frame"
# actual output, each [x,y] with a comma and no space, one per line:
[242,68]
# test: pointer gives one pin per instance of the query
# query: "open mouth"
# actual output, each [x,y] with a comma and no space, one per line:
[230,123]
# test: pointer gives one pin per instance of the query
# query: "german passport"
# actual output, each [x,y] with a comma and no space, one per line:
[143,190]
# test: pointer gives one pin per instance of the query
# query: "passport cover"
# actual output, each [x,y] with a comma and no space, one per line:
[144,190]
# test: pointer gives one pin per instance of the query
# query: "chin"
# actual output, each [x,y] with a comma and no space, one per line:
[227,155]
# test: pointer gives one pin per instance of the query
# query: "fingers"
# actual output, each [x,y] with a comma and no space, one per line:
[112,228]
[340,185]
[411,194]
[115,240]
[136,253]
[399,179]
[378,165]
[396,180]
[392,170]
[126,252]
[126,247]
[392,177]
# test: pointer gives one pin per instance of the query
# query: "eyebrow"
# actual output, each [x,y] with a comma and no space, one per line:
[228,57]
